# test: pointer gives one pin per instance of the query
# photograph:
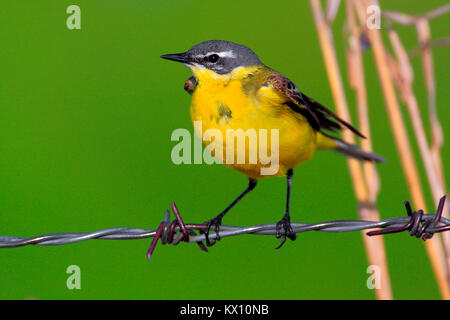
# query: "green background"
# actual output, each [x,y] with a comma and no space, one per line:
[85,123]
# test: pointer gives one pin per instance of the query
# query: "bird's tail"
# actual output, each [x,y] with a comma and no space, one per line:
[336,144]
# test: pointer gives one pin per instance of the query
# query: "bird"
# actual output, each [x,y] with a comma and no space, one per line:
[232,89]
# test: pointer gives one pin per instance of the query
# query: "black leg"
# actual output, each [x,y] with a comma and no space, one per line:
[217,221]
[285,222]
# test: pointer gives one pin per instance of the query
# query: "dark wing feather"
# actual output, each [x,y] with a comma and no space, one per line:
[317,115]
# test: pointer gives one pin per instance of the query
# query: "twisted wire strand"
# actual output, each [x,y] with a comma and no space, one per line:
[417,223]
[53,239]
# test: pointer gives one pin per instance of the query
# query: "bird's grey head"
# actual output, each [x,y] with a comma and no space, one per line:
[219,56]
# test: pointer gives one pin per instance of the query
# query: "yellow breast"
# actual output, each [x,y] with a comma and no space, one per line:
[223,106]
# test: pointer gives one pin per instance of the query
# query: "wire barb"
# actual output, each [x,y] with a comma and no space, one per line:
[416,226]
[418,223]
[167,231]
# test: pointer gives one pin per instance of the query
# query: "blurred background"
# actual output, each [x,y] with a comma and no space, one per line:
[85,123]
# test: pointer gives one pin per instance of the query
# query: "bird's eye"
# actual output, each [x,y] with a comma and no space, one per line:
[213,58]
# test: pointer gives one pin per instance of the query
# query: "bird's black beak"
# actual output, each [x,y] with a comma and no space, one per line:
[179,57]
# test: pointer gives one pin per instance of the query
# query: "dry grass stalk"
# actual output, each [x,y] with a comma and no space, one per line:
[404,80]
[355,69]
[436,178]
[434,43]
[331,10]
[434,246]
[425,44]
[407,19]
[437,138]
[364,192]
[375,247]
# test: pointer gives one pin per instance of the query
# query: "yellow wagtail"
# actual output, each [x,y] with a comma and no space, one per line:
[232,89]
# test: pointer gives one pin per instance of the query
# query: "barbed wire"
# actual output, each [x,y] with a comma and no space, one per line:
[419,224]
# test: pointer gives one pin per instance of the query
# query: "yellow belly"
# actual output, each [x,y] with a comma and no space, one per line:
[223,106]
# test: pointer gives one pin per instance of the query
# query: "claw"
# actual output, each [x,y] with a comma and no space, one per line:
[285,225]
[217,221]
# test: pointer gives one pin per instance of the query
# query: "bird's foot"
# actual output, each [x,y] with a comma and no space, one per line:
[284,229]
[216,222]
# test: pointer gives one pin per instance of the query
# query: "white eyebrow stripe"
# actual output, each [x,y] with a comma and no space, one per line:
[226,54]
